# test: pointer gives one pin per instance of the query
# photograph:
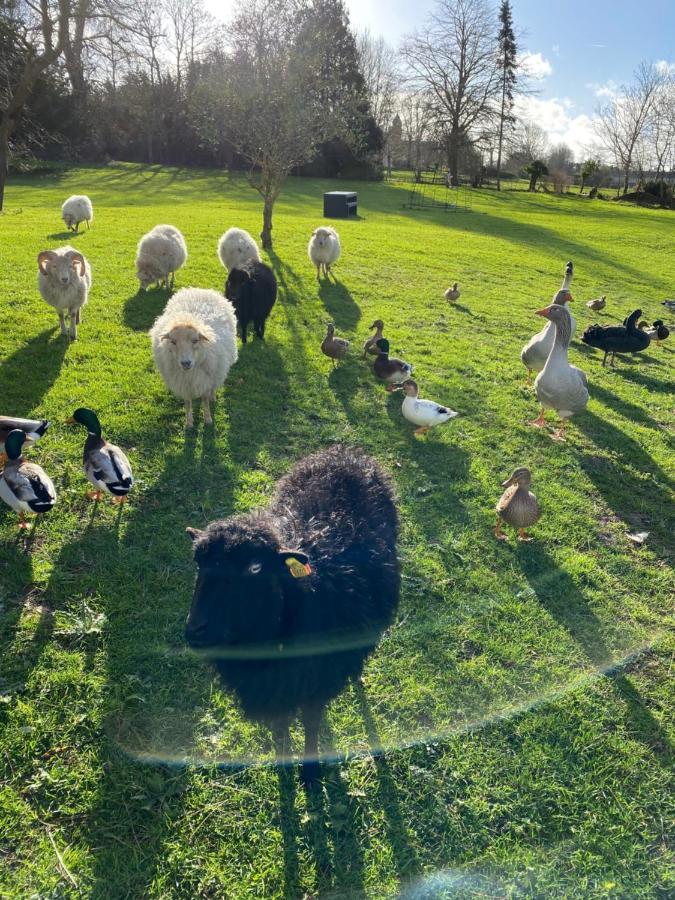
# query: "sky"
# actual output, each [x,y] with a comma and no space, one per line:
[580,50]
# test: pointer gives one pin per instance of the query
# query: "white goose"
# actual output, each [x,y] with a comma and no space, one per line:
[423,413]
[535,353]
[559,385]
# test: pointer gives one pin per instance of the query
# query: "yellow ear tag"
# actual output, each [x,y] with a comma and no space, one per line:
[296,568]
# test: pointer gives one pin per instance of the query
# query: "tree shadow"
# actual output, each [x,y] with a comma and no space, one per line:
[143,307]
[341,307]
[28,373]
[287,278]
[562,599]
[658,385]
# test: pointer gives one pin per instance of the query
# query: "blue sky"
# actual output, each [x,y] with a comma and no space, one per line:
[583,49]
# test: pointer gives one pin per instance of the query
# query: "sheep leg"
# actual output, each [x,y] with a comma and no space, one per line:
[73,325]
[189,421]
[206,409]
[318,271]
[311,769]
[244,329]
[62,323]
[87,224]
[172,276]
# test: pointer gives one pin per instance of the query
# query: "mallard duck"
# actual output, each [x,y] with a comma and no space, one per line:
[334,347]
[625,338]
[669,304]
[656,332]
[24,485]
[598,304]
[453,293]
[424,413]
[104,464]
[517,506]
[33,429]
[535,353]
[393,371]
[370,346]
[559,385]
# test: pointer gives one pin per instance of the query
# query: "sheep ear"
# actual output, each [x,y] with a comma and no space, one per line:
[165,337]
[43,258]
[194,533]
[204,337]
[297,563]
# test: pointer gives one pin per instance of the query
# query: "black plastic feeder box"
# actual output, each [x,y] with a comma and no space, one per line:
[339,204]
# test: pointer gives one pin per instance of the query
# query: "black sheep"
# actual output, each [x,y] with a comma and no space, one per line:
[252,290]
[291,599]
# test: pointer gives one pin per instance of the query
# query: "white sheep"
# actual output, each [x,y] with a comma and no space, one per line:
[161,252]
[194,345]
[77,209]
[324,249]
[64,280]
[236,248]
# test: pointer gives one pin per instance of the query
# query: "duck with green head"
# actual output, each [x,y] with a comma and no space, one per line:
[24,485]
[390,370]
[104,464]
[32,428]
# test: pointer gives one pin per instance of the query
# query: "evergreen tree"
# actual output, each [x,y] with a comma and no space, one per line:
[508,73]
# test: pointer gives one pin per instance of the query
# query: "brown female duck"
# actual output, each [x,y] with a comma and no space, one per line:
[517,506]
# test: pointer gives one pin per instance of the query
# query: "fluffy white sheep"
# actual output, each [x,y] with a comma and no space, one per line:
[64,279]
[77,209]
[324,249]
[236,248]
[161,252]
[194,344]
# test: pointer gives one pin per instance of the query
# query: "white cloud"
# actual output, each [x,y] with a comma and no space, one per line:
[607,91]
[535,65]
[556,49]
[556,117]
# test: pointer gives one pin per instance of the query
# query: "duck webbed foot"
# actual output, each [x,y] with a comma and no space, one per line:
[522,536]
[539,422]
[94,495]
[499,534]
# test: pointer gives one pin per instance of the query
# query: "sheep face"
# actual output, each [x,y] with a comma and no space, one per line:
[322,237]
[186,343]
[237,283]
[62,268]
[147,275]
[241,584]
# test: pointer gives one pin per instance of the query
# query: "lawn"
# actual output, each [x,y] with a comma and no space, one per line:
[522,701]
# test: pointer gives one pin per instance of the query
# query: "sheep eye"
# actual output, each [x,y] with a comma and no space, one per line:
[195,340]
[255,568]
[172,341]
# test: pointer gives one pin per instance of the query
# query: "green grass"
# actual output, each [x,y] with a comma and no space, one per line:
[523,698]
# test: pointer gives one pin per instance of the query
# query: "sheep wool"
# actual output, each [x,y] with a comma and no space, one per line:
[236,248]
[324,249]
[76,209]
[161,252]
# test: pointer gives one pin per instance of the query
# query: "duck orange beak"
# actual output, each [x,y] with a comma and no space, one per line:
[543,312]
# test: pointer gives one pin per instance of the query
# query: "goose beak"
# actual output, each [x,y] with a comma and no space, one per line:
[542,312]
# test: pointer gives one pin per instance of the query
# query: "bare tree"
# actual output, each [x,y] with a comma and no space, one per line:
[416,124]
[621,122]
[276,119]
[378,66]
[39,35]
[528,142]
[661,131]
[190,27]
[453,61]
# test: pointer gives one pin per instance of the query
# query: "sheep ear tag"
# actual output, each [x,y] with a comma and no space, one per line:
[296,568]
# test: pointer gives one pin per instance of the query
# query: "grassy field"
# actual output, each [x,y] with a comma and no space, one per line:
[523,700]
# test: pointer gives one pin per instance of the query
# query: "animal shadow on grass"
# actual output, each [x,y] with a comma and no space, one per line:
[340,305]
[28,373]
[624,492]
[141,309]
[405,857]
[256,399]
[658,385]
[287,279]
[629,410]
[562,599]
[143,582]
[17,657]
[64,235]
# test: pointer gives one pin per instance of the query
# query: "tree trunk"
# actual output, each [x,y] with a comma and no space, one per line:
[266,233]
[533,183]
[453,158]
[581,189]
[4,163]
[501,132]
[625,181]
